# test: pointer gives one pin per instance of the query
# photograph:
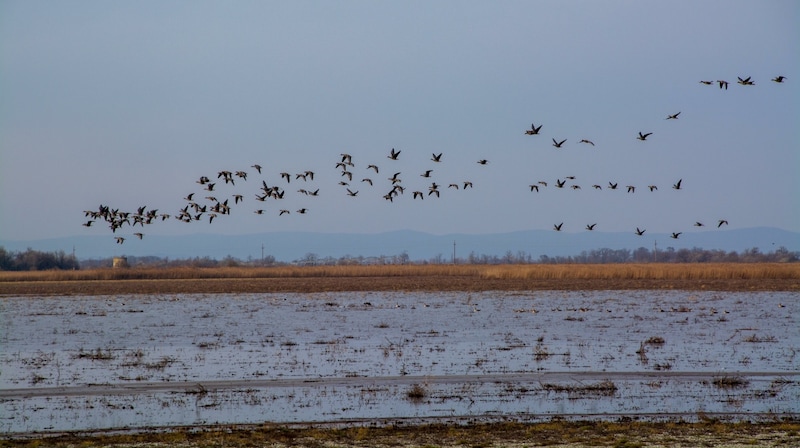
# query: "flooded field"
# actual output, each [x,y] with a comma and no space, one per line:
[137,361]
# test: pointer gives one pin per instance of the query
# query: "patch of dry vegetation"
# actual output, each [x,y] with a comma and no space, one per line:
[708,276]
[707,432]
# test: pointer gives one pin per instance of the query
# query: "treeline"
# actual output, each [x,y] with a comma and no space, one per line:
[34,260]
[30,259]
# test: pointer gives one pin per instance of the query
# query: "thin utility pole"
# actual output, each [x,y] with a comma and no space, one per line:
[655,250]
[454,252]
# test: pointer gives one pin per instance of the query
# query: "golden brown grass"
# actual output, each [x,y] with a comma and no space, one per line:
[649,271]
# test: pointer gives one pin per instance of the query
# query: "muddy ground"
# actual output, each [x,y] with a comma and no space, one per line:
[399,283]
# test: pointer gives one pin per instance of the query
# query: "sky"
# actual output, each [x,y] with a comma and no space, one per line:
[128,104]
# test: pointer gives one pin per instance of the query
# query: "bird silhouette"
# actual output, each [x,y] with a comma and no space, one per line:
[708,83]
[587,141]
[673,116]
[88,223]
[745,81]
[652,187]
[427,173]
[374,167]
[631,188]
[534,187]
[640,232]
[558,144]
[393,154]
[557,227]
[533,130]
[721,222]
[257,167]
[119,239]
[722,84]
[483,162]
[612,186]
[779,79]
[677,185]
[351,192]
[590,226]
[698,224]
[436,158]
[643,137]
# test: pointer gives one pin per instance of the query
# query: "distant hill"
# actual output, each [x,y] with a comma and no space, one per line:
[289,246]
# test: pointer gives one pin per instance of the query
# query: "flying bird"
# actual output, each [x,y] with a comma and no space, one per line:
[88,223]
[436,158]
[643,137]
[257,167]
[698,224]
[721,222]
[673,116]
[374,167]
[535,187]
[533,130]
[119,239]
[631,188]
[427,173]
[652,187]
[677,185]
[587,141]
[708,83]
[722,84]
[640,232]
[675,235]
[558,144]
[483,161]
[590,226]
[138,235]
[745,82]
[557,227]
[393,154]
[352,193]
[779,79]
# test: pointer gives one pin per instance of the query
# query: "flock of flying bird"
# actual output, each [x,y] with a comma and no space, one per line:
[213,204]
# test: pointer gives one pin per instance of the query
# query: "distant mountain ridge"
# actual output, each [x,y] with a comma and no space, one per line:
[289,246]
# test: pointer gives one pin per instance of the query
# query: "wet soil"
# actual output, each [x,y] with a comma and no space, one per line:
[393,283]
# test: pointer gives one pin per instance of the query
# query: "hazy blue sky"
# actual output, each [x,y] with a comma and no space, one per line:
[127,104]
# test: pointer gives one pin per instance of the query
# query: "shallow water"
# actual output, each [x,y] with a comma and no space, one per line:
[250,358]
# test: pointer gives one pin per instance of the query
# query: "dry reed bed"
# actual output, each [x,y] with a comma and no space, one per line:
[649,271]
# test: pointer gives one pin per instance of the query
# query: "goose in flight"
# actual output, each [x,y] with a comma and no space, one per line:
[351,192]
[575,187]
[698,224]
[560,183]
[427,173]
[612,186]
[189,197]
[138,235]
[287,176]
[284,212]
[436,158]
[203,180]
[558,144]
[677,185]
[260,212]
[673,116]
[395,178]
[367,180]
[534,187]
[557,227]
[453,186]
[346,158]
[597,187]
[745,82]
[533,130]
[675,235]
[652,187]
[467,184]
[483,161]
[418,194]
[119,239]
[393,154]
[722,84]
[257,167]
[374,167]
[721,222]
[88,223]
[302,211]
[237,198]
[631,188]
[587,141]
[590,226]
[779,79]
[708,83]
[643,137]
[640,232]
[541,182]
